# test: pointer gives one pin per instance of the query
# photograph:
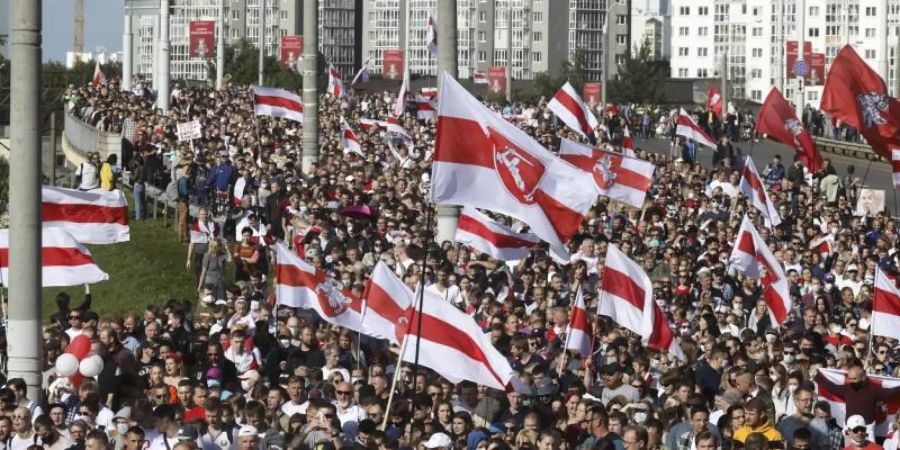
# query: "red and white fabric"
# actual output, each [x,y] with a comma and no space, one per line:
[689,129]
[753,188]
[572,111]
[431,36]
[497,241]
[277,103]
[386,305]
[425,108]
[239,187]
[430,92]
[895,165]
[578,336]
[479,77]
[389,126]
[335,85]
[92,217]
[99,77]
[350,140]
[400,102]
[884,417]
[65,261]
[616,176]
[452,344]
[885,306]
[752,257]
[301,285]
[823,245]
[202,232]
[628,144]
[714,100]
[363,74]
[626,296]
[483,161]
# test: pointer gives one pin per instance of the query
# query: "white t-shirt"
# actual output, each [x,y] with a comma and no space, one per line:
[89,176]
[17,443]
[451,294]
[220,442]
[353,413]
[158,444]
[289,408]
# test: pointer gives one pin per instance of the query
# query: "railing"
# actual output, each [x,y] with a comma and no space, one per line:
[87,138]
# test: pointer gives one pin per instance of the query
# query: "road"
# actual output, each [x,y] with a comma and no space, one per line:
[879,173]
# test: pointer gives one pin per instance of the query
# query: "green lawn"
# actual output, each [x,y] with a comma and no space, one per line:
[147,270]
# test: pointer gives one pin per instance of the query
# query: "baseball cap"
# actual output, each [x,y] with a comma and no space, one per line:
[438,440]
[187,433]
[248,430]
[855,421]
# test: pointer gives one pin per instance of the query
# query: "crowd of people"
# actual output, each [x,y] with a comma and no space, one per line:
[233,369]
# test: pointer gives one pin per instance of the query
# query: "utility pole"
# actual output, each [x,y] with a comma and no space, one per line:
[52,148]
[604,73]
[883,63]
[220,48]
[310,86]
[779,39]
[801,43]
[447,60]
[163,96]
[127,53]
[24,283]
[78,35]
[897,62]
[724,73]
[262,39]
[509,65]
[156,44]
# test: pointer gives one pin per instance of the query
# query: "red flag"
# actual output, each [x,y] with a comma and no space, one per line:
[714,100]
[855,94]
[778,121]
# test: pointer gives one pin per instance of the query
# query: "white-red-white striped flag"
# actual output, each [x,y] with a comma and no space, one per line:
[363,75]
[497,241]
[823,245]
[400,103]
[239,187]
[350,140]
[386,305]
[832,386]
[618,177]
[300,285]
[92,217]
[752,257]
[277,103]
[431,35]
[572,111]
[754,189]
[885,306]
[204,231]
[425,109]
[65,262]
[478,152]
[99,77]
[895,166]
[689,129]
[628,144]
[578,336]
[387,125]
[335,84]
[626,296]
[479,77]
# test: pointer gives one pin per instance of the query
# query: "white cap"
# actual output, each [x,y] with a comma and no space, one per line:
[855,421]
[438,440]
[248,430]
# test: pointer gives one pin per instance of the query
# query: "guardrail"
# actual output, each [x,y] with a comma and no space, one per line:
[850,149]
[87,138]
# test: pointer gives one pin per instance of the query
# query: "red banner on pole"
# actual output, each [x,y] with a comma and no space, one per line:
[392,66]
[591,93]
[816,70]
[291,49]
[791,55]
[497,80]
[202,39]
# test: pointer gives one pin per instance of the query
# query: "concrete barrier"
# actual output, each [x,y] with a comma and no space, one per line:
[849,149]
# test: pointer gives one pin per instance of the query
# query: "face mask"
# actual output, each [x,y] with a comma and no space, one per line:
[284,343]
[246,385]
[788,359]
[121,429]
[640,417]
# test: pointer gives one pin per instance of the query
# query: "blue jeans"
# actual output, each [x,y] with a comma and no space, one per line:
[139,201]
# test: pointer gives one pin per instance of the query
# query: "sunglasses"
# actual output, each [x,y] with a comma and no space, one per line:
[343,392]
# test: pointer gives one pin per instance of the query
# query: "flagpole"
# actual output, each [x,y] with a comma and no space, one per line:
[588,381]
[565,348]
[387,411]
[429,238]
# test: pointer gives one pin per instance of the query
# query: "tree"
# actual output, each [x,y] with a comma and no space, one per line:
[543,85]
[242,66]
[640,79]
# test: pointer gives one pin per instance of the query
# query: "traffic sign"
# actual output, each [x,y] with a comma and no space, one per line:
[801,68]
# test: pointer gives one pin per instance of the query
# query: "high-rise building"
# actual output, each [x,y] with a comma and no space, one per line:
[651,25]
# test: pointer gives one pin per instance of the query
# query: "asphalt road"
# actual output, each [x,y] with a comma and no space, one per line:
[879,173]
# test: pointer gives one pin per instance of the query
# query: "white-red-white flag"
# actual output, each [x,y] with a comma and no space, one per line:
[363,74]
[277,103]
[452,344]
[689,129]
[628,144]
[425,108]
[832,387]
[64,261]
[753,188]
[618,177]
[386,305]
[572,111]
[204,231]
[626,296]
[479,77]
[431,36]
[483,161]
[752,257]
[823,245]
[400,103]
[335,84]
[92,217]
[895,166]
[350,140]
[578,336]
[239,187]
[885,306]
[497,241]
[99,77]
[298,284]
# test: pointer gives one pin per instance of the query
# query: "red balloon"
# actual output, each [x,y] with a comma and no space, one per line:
[76,379]
[80,347]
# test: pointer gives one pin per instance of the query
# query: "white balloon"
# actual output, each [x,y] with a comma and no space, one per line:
[66,365]
[91,365]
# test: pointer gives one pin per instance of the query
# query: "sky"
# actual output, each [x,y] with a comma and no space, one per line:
[102,26]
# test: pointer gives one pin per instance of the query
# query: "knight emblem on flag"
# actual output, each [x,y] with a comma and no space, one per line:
[331,297]
[605,172]
[872,106]
[519,171]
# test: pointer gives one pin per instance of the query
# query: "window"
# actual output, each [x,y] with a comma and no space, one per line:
[702,73]
[283,14]
[812,95]
[235,14]
[482,57]
[703,10]
[813,32]
[870,11]
[536,57]
[757,53]
[622,39]
[813,11]
[682,51]
[482,36]
[702,31]
[537,36]
[537,17]
[870,54]
[621,19]
[756,73]
[683,31]
[870,32]
[684,10]
[756,95]
[683,73]
[482,16]
[702,51]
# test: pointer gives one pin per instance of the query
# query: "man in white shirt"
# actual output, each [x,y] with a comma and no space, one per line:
[443,288]
[586,253]
[297,394]
[89,172]
[168,427]
[347,410]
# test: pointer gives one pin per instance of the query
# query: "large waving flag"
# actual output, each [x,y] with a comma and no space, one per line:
[618,177]
[885,306]
[483,161]
[300,285]
[578,335]
[626,296]
[689,129]
[627,143]
[487,236]
[400,102]
[350,140]
[778,120]
[714,100]
[386,305]
[65,262]
[92,217]
[425,108]
[831,386]
[753,187]
[752,257]
[572,111]
[431,35]
[277,103]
